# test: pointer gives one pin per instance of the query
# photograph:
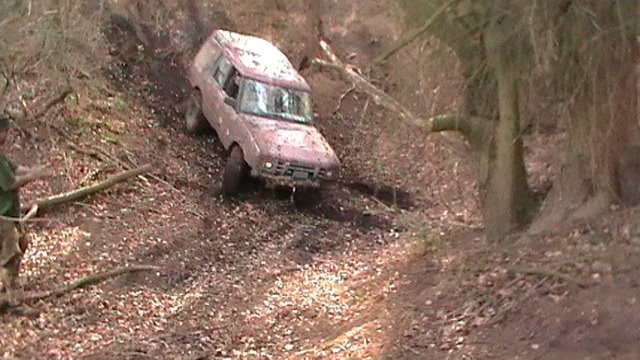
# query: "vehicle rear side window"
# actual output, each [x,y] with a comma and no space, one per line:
[232,86]
[212,60]
[222,71]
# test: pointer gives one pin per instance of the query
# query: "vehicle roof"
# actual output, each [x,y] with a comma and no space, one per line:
[259,59]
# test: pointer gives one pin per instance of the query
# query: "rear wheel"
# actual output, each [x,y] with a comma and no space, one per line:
[194,119]
[236,171]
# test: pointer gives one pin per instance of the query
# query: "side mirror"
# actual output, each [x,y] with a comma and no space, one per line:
[230,101]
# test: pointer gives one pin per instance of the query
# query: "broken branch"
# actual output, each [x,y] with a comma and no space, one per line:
[475,129]
[409,39]
[378,96]
[88,190]
[53,101]
[468,126]
[78,284]
[342,97]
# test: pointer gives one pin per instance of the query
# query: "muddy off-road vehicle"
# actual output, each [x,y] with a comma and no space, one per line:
[260,108]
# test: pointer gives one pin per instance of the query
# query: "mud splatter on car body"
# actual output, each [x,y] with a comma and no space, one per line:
[254,98]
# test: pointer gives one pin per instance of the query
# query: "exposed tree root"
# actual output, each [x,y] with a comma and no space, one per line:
[78,284]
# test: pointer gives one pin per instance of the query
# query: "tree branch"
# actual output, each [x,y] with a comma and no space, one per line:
[451,122]
[28,216]
[78,284]
[88,190]
[53,101]
[378,96]
[474,128]
[409,39]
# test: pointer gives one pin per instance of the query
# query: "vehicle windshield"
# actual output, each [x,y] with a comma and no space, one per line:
[273,101]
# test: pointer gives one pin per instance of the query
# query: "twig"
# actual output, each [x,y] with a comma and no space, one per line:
[92,174]
[28,216]
[504,311]
[78,284]
[52,102]
[103,155]
[544,272]
[387,207]
[88,190]
[353,76]
[408,40]
[68,164]
[170,187]
[342,97]
[409,348]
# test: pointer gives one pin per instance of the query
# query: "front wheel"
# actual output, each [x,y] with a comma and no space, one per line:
[195,122]
[236,171]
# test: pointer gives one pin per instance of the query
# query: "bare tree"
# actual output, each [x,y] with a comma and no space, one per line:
[53,40]
[592,65]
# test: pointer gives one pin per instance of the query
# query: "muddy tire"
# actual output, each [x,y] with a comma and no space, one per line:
[236,171]
[195,122]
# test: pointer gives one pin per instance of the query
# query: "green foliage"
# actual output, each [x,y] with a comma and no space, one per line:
[71,101]
[121,104]
[28,95]
[424,236]
[417,10]
[110,139]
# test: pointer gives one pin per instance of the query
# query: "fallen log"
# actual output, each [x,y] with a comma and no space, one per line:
[78,284]
[473,128]
[88,190]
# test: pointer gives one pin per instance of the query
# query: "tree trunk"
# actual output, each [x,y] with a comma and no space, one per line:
[601,84]
[505,195]
[605,115]
[313,33]
[490,70]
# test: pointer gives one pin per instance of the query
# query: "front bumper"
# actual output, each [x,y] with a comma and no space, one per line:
[287,174]
[273,180]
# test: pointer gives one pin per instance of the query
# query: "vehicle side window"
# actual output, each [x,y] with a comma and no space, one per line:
[231,86]
[222,71]
[212,60]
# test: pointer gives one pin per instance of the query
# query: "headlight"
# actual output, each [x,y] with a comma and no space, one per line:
[329,174]
[268,165]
